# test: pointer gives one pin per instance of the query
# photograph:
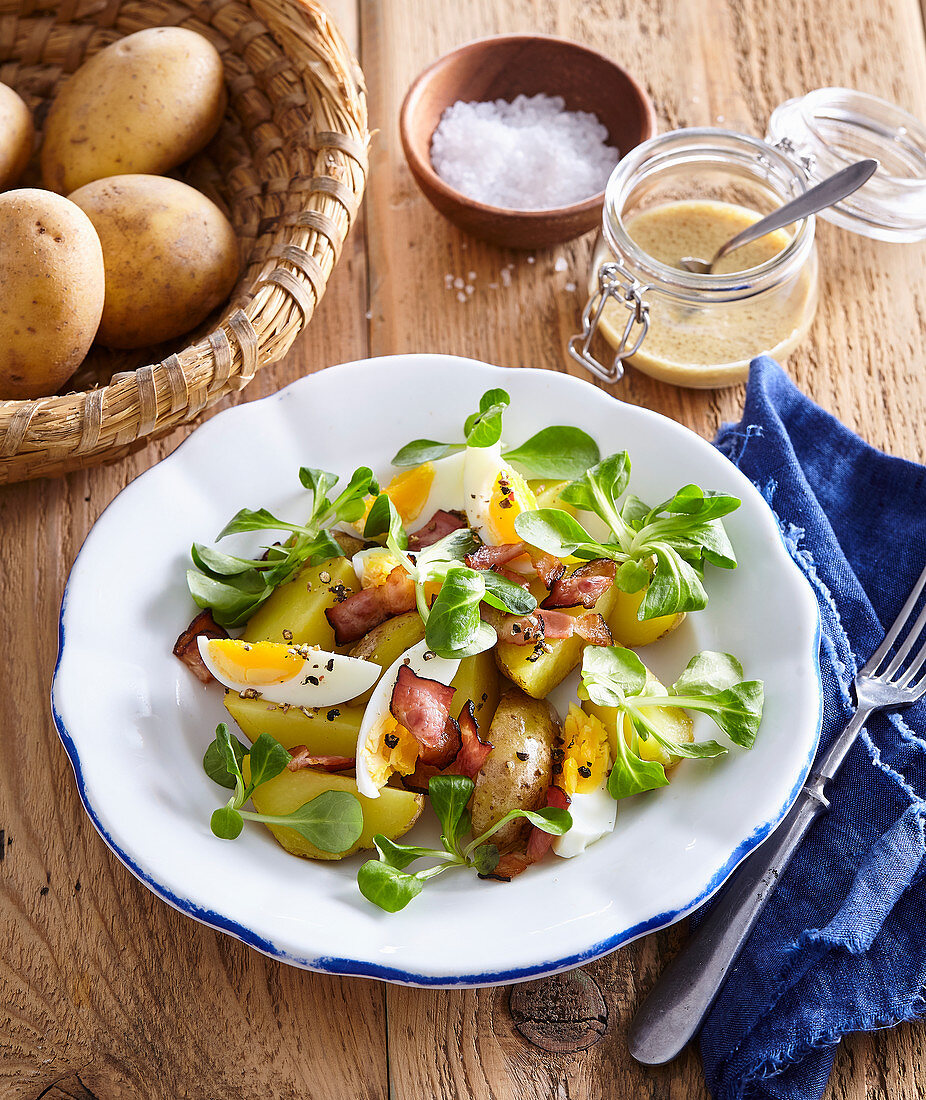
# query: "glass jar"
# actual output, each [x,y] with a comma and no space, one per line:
[687,328]
[702,330]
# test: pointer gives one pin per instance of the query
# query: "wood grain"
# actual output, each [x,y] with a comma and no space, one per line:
[107,992]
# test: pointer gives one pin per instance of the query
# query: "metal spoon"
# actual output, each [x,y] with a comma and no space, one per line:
[828,193]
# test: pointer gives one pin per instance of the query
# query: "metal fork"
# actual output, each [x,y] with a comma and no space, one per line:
[681,998]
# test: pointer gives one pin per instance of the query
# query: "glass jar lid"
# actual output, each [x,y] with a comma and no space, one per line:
[831,127]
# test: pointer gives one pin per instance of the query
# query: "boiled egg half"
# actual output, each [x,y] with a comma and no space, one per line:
[419,492]
[584,777]
[280,673]
[384,746]
[494,495]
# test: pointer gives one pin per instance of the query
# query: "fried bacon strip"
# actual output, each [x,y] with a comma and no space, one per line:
[488,557]
[547,567]
[583,586]
[538,842]
[548,626]
[302,758]
[186,648]
[438,526]
[468,761]
[360,612]
[422,706]
[474,750]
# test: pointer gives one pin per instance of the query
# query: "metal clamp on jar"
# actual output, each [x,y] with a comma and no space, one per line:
[703,330]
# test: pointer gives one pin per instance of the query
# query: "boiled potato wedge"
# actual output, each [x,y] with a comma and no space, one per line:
[392,814]
[477,679]
[387,642]
[632,632]
[327,731]
[296,611]
[538,673]
[518,770]
[672,722]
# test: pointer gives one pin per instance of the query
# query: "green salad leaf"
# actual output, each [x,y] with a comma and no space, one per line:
[332,821]
[233,588]
[387,883]
[662,550]
[712,684]
[453,623]
[557,452]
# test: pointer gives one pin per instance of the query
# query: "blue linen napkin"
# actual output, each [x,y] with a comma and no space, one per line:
[841,946]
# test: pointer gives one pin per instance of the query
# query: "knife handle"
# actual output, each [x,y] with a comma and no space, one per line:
[678,1002]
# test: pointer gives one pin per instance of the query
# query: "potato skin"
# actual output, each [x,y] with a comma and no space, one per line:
[51,271]
[17,136]
[171,257]
[506,782]
[143,104]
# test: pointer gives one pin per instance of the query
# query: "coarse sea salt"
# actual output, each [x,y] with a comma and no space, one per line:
[530,154]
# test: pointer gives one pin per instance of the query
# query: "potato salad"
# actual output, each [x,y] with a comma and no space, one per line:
[398,648]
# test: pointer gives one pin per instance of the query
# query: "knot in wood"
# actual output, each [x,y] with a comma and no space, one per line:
[562,1014]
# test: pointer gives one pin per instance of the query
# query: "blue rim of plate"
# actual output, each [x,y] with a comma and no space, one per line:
[353,967]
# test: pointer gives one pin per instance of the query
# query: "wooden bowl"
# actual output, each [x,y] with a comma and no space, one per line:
[503,67]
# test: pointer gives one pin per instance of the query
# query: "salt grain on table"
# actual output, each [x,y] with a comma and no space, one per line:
[530,154]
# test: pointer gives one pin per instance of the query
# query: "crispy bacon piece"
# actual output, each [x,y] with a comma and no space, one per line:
[548,568]
[423,707]
[302,758]
[360,612]
[438,526]
[488,557]
[538,843]
[468,761]
[583,586]
[186,648]
[474,750]
[549,626]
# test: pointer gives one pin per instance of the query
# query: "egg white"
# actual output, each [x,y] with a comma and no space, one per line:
[594,814]
[322,680]
[377,710]
[446,490]
[481,469]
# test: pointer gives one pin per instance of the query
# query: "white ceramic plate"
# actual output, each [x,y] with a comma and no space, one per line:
[135,722]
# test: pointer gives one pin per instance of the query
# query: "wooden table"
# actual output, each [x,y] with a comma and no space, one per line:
[107,992]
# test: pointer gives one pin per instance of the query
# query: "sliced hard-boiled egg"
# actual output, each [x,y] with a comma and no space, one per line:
[421,491]
[373,566]
[586,763]
[383,745]
[494,495]
[280,673]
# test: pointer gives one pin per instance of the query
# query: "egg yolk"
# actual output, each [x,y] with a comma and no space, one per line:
[255,662]
[586,755]
[377,567]
[508,498]
[390,748]
[408,491]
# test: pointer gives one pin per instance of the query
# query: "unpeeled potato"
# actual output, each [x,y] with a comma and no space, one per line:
[51,273]
[17,135]
[144,104]
[171,257]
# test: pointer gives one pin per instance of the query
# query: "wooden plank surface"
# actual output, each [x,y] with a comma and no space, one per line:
[108,993]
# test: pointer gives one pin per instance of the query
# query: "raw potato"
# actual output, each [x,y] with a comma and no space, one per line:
[295,612]
[538,677]
[17,136]
[508,782]
[327,731]
[51,272]
[392,814]
[144,104]
[171,257]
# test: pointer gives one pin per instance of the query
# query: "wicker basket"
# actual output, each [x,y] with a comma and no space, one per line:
[288,167]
